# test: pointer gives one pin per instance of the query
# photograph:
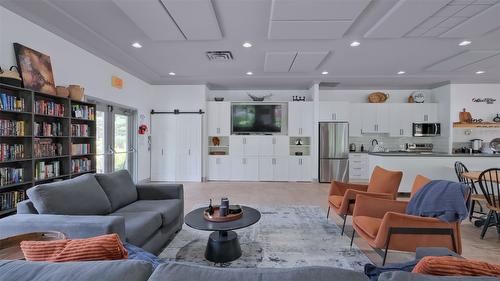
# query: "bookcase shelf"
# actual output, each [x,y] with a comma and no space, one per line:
[36,104]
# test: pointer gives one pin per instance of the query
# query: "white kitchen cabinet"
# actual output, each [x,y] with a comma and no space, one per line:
[358,167]
[401,119]
[219,118]
[375,118]
[244,168]
[299,168]
[273,145]
[333,111]
[273,168]
[300,119]
[425,112]
[219,167]
[355,120]
[244,145]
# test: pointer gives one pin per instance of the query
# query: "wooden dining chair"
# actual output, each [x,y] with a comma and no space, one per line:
[475,197]
[489,181]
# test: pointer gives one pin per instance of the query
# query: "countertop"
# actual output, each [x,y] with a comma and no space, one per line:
[432,154]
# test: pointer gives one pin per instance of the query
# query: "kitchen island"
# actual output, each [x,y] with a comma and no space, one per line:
[436,166]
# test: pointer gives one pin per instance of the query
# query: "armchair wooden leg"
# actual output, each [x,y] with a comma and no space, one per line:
[352,237]
[343,225]
[328,212]
[486,224]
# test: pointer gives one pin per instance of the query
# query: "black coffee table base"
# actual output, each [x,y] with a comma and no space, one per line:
[222,247]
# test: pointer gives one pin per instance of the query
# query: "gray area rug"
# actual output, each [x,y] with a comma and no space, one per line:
[284,237]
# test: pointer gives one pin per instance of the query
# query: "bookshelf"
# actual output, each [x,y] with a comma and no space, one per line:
[42,138]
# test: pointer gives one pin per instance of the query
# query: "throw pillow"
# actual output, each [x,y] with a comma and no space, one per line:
[453,266]
[119,188]
[105,247]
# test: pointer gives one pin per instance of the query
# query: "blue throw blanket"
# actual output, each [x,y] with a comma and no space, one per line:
[440,199]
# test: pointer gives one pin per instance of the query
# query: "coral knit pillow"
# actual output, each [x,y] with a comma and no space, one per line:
[105,247]
[453,266]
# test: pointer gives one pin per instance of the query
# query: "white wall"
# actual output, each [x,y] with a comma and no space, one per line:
[242,95]
[462,95]
[442,95]
[361,96]
[73,65]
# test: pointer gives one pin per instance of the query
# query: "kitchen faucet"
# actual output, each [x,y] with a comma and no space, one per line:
[374,140]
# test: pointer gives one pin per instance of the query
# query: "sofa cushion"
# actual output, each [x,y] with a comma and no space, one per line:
[407,276]
[139,226]
[79,196]
[75,271]
[368,224]
[119,188]
[169,209]
[188,272]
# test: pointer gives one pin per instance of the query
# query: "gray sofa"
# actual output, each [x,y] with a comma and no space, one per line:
[146,215]
[142,271]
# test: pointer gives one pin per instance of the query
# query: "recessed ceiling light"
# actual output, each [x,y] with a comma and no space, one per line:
[247,44]
[355,44]
[401,72]
[137,45]
[324,72]
[464,43]
[249,73]
[171,73]
[479,72]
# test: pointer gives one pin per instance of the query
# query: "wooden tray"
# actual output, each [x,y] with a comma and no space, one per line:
[216,218]
[10,247]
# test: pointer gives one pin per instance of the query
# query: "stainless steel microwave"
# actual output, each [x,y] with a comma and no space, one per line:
[426,129]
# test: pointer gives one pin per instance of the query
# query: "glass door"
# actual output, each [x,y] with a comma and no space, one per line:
[115,144]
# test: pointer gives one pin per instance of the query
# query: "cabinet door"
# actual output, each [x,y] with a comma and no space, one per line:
[382,118]
[355,120]
[251,169]
[280,168]
[369,115]
[425,112]
[281,145]
[159,133]
[305,169]
[219,168]
[252,145]
[224,118]
[266,145]
[237,146]
[400,121]
[295,112]
[212,119]
[188,148]
[307,127]
[294,168]
[334,111]
[266,168]
[213,168]
[238,167]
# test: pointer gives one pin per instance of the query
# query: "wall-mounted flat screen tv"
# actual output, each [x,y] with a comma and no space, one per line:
[257,118]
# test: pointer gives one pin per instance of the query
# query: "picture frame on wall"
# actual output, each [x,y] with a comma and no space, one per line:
[35,69]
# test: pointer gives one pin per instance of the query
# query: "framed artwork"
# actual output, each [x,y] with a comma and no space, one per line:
[36,69]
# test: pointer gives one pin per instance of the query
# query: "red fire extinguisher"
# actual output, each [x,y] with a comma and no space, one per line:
[143,129]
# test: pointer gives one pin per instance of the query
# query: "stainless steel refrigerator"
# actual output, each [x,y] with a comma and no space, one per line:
[333,151]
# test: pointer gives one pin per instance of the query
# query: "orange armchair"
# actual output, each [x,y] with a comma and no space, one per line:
[385,225]
[342,196]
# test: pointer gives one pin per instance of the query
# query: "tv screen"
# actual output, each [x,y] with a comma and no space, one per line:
[256,118]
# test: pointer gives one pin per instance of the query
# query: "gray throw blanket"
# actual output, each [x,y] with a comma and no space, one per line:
[445,200]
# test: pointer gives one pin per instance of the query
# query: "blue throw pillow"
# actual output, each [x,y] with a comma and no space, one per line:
[136,253]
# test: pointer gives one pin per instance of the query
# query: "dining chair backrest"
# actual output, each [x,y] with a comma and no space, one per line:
[489,181]
[460,169]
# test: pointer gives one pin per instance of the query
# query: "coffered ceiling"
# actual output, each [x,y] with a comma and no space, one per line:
[294,41]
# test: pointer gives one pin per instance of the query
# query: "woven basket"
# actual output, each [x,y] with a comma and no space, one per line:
[378,97]
[62,91]
[76,92]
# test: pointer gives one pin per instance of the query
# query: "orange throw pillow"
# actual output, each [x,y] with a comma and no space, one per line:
[453,266]
[105,247]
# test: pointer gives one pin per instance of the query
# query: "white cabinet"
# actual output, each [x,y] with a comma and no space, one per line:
[244,168]
[300,119]
[425,112]
[219,118]
[244,145]
[273,168]
[375,118]
[333,111]
[355,120]
[358,166]
[401,119]
[299,168]
[273,145]
[219,167]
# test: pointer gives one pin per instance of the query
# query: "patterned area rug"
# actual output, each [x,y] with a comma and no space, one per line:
[284,237]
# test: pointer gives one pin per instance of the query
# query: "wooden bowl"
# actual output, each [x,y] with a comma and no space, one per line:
[10,247]
[377,97]
[216,218]
[76,92]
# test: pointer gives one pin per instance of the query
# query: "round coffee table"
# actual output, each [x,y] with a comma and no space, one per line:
[223,245]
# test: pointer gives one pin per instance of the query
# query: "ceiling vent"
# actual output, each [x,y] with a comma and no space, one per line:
[219,55]
[328,85]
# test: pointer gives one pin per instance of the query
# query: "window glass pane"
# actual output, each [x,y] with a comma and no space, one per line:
[121,141]
[100,149]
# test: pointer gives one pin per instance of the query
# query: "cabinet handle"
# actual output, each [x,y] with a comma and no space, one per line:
[274,161]
[162,151]
[300,131]
[244,140]
[356,168]
[243,161]
[375,128]
[274,140]
[361,131]
[426,117]
[189,151]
